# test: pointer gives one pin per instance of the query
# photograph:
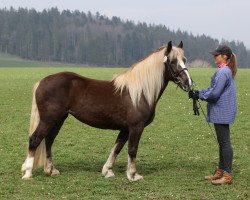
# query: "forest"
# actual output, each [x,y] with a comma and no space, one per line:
[94,39]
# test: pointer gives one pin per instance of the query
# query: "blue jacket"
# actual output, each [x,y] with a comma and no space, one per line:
[221,97]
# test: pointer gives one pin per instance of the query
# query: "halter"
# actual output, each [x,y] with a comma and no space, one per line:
[174,75]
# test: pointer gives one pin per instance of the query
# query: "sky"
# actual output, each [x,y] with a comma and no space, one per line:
[219,19]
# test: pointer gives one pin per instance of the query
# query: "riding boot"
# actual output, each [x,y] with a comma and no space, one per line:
[218,173]
[226,178]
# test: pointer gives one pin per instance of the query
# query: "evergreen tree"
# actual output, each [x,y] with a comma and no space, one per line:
[78,37]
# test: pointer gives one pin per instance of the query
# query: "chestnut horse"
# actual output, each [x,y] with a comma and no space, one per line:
[127,103]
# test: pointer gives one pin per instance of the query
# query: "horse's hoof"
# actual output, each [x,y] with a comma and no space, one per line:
[135,177]
[109,174]
[55,172]
[27,177]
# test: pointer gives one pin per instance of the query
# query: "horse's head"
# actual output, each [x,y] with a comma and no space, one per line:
[175,66]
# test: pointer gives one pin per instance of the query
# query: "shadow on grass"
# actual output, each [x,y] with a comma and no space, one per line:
[145,168]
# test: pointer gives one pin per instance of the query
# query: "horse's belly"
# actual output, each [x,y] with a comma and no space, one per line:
[101,120]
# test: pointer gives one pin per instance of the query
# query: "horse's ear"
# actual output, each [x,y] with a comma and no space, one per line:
[169,48]
[181,45]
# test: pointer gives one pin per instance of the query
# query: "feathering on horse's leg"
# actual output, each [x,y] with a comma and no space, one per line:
[133,143]
[107,169]
[49,168]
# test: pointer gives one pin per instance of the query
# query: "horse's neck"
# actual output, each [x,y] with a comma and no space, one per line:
[162,90]
[165,84]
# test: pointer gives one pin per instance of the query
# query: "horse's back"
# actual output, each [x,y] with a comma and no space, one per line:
[65,81]
[62,78]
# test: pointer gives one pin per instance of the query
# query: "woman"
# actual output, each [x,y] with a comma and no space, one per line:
[221,109]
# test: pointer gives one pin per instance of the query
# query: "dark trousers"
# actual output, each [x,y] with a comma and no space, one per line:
[225,147]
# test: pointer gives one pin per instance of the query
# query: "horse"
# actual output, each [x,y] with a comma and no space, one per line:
[126,103]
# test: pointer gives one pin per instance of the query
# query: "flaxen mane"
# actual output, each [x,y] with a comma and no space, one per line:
[146,76]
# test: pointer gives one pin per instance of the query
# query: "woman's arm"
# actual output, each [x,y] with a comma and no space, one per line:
[213,93]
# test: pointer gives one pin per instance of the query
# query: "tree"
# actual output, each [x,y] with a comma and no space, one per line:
[78,37]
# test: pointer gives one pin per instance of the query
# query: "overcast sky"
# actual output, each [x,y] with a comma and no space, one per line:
[228,19]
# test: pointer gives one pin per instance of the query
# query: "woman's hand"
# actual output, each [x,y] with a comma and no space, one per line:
[193,94]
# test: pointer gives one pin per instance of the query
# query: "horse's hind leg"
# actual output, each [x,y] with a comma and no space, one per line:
[49,168]
[107,169]
[34,141]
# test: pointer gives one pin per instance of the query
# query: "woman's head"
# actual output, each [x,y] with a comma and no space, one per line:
[223,53]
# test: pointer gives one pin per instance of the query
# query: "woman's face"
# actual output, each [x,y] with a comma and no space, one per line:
[220,58]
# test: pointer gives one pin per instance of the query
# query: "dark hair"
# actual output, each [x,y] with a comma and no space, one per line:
[232,63]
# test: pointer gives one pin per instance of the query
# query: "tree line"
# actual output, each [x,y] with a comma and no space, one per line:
[94,39]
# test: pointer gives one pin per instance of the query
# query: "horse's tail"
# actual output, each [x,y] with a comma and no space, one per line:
[40,154]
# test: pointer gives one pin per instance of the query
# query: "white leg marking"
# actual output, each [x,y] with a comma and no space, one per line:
[107,169]
[49,169]
[131,171]
[27,168]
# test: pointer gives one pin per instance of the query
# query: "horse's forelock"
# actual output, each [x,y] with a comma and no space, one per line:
[176,53]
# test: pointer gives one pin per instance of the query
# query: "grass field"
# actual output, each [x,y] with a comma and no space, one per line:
[7,60]
[175,151]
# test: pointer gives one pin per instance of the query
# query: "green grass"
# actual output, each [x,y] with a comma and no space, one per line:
[175,151]
[8,60]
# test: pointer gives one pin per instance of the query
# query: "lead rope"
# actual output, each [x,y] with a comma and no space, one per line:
[212,130]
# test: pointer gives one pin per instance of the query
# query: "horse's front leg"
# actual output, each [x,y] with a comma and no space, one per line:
[133,142]
[107,169]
